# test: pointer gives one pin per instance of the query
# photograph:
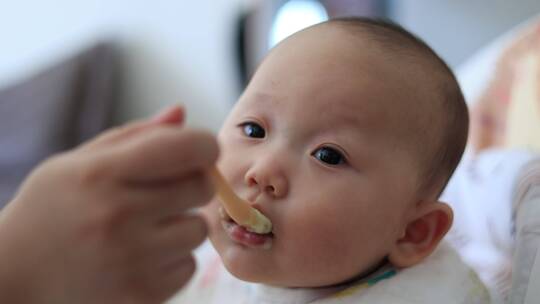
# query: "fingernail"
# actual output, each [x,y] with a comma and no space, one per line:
[162,113]
[166,113]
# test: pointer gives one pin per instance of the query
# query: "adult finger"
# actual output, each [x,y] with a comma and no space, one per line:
[157,284]
[174,115]
[171,115]
[157,200]
[163,153]
[168,241]
[181,233]
[170,280]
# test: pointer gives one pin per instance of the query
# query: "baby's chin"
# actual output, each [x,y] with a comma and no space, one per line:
[246,264]
[256,275]
[263,271]
[242,268]
[245,272]
[278,280]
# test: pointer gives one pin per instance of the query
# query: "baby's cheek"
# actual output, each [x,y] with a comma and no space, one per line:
[319,256]
[318,242]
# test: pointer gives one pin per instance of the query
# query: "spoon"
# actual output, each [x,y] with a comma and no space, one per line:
[238,209]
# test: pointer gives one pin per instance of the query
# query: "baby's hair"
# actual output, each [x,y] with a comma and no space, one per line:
[450,124]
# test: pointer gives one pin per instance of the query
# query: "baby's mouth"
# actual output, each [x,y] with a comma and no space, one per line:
[241,235]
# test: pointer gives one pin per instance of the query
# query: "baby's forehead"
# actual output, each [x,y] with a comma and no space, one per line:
[336,76]
[326,58]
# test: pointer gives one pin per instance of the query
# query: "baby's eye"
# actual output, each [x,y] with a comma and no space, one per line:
[252,129]
[329,156]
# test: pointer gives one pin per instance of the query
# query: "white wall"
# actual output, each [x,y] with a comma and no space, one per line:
[174,51]
[457,28]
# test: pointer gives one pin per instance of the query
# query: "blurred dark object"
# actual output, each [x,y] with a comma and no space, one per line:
[53,111]
[254,27]
[345,8]
[240,48]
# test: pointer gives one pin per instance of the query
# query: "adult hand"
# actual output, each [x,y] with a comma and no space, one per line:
[110,221]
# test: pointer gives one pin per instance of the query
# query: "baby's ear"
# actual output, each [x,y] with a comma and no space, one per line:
[422,234]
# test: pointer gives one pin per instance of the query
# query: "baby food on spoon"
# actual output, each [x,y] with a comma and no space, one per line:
[239,210]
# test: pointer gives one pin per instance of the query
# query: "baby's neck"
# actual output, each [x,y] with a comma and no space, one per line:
[365,275]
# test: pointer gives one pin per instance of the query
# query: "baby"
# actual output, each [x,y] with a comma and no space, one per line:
[344,138]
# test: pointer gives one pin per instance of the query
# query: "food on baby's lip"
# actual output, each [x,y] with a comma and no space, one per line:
[242,236]
[239,210]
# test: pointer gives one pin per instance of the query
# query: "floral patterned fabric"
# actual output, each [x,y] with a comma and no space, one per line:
[507,112]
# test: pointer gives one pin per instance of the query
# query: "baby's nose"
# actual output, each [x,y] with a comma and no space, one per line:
[268,180]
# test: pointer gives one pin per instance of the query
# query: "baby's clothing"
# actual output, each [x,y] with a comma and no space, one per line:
[481,193]
[442,278]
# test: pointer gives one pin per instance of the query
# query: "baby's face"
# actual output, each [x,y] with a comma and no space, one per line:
[312,145]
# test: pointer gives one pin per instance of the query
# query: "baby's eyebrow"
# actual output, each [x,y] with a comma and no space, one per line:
[344,119]
[266,98]
[350,120]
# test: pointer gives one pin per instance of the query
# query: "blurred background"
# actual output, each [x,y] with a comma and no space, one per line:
[72,68]
[200,53]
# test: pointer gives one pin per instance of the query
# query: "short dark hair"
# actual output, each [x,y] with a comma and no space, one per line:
[451,117]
